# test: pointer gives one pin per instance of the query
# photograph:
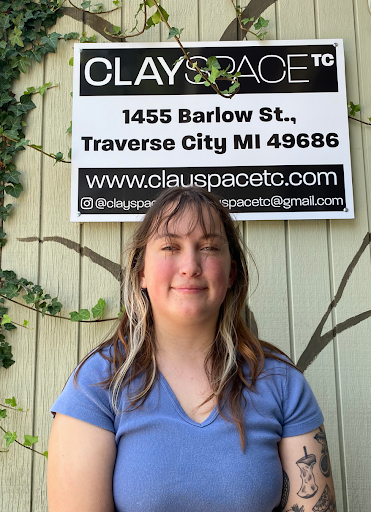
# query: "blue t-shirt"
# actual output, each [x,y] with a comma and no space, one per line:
[166,462]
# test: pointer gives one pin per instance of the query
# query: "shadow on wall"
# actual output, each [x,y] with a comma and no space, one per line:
[317,342]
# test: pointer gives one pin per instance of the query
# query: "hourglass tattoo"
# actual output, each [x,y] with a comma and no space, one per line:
[308,485]
[324,463]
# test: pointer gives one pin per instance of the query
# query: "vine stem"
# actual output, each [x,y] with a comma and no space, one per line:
[54,316]
[11,408]
[20,444]
[92,12]
[37,92]
[359,120]
[204,76]
[118,36]
[19,325]
[39,150]
[238,16]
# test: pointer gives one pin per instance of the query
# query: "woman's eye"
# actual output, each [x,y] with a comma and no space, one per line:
[168,248]
[210,248]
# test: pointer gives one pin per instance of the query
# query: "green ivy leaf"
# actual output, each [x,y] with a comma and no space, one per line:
[14,190]
[10,290]
[85,39]
[54,307]
[117,3]
[70,62]
[11,401]
[10,438]
[41,90]
[156,17]
[212,62]
[86,5]
[98,309]
[6,320]
[197,78]
[71,35]
[30,90]
[22,63]
[175,32]
[247,20]
[116,30]
[121,312]
[214,74]
[45,454]
[69,129]
[58,157]
[233,87]
[50,41]
[261,23]
[353,109]
[5,98]
[2,413]
[83,314]
[98,8]
[30,440]
[10,327]
[15,38]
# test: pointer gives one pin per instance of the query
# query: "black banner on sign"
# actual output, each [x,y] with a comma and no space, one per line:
[304,188]
[151,71]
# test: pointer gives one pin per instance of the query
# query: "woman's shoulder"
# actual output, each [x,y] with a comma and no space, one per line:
[96,364]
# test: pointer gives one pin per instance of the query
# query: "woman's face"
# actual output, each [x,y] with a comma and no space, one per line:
[187,275]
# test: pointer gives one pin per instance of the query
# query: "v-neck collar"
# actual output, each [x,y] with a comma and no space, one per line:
[212,416]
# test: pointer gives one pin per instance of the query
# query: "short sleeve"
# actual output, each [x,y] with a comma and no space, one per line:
[301,412]
[85,400]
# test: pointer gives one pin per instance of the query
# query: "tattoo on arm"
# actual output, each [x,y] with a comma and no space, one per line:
[285,493]
[308,485]
[326,503]
[296,508]
[324,463]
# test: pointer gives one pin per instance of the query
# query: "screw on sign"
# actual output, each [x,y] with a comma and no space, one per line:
[308,485]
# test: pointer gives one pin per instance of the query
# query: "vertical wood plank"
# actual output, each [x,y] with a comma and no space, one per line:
[182,15]
[214,17]
[352,350]
[57,342]
[266,241]
[103,238]
[309,291]
[22,257]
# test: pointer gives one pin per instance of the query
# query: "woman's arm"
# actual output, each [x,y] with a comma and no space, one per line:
[80,466]
[308,484]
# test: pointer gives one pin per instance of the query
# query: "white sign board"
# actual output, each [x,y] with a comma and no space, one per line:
[279,149]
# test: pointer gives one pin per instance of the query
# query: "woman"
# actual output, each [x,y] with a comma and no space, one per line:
[183,409]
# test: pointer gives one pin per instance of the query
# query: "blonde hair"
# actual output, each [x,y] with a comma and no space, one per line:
[234,344]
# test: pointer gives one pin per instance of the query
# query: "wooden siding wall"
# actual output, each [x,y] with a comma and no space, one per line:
[301,263]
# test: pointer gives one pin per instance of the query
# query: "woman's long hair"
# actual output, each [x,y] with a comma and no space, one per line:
[133,343]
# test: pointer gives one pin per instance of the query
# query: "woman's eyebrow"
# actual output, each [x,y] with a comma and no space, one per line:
[207,236]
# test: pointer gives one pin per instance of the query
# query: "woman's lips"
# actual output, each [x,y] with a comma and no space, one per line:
[189,289]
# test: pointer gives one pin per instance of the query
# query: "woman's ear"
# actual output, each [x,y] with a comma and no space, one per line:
[232,273]
[142,280]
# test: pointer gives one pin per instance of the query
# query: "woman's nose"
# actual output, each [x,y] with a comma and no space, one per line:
[190,263]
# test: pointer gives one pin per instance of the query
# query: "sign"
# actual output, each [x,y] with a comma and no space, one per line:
[279,149]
